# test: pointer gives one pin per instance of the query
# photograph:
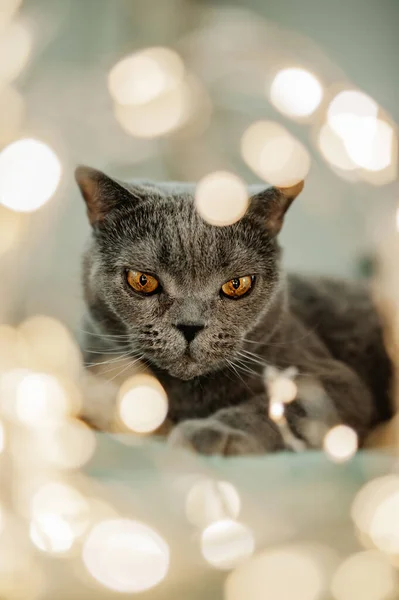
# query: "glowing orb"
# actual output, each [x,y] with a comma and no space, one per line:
[15,48]
[145,75]
[209,501]
[296,92]
[143,404]
[276,411]
[29,175]
[40,399]
[51,533]
[126,556]
[340,443]
[346,107]
[366,575]
[226,543]
[274,154]
[221,198]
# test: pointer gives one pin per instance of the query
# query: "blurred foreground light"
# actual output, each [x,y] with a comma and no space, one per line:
[29,175]
[12,112]
[333,149]
[162,115]
[283,389]
[2,437]
[346,107]
[221,198]
[208,501]
[274,154]
[375,512]
[68,445]
[143,404]
[340,443]
[59,515]
[40,400]
[126,556]
[276,411]
[145,75]
[366,575]
[397,219]
[286,573]
[51,533]
[15,48]
[226,543]
[296,92]
[7,10]
[11,227]
[52,345]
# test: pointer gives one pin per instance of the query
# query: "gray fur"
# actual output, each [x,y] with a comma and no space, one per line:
[328,329]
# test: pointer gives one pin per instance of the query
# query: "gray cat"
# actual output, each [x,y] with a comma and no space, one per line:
[207,308]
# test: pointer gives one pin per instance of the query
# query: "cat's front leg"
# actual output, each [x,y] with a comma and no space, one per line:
[243,429]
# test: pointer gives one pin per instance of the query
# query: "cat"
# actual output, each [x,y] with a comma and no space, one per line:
[207,308]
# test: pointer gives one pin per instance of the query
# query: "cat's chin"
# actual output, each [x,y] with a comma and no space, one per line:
[186,369]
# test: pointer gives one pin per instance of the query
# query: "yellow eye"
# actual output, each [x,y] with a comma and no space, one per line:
[142,282]
[238,287]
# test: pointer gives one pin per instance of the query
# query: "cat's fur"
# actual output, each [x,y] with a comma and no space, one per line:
[329,330]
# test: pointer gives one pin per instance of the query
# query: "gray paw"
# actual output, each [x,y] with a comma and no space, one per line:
[209,436]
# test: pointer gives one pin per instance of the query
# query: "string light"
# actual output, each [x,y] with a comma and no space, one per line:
[143,404]
[340,443]
[208,501]
[126,556]
[296,92]
[226,543]
[29,175]
[221,198]
[274,154]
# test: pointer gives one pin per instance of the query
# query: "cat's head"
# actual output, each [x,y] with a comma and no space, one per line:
[186,293]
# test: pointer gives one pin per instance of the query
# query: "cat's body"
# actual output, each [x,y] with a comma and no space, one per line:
[214,372]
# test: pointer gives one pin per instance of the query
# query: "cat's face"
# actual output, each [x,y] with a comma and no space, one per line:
[186,293]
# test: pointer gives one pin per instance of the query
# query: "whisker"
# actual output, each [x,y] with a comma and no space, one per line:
[254,358]
[117,336]
[125,368]
[112,360]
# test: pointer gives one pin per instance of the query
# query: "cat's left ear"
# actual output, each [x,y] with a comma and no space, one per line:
[272,203]
[101,193]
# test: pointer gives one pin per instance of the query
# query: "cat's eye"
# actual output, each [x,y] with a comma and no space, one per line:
[238,287]
[142,282]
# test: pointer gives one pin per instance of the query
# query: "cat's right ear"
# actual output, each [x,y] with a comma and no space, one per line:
[100,192]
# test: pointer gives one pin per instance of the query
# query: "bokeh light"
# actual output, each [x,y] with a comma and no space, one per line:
[126,556]
[143,404]
[286,573]
[51,533]
[375,513]
[145,75]
[68,445]
[209,500]
[11,228]
[8,8]
[15,48]
[340,443]
[274,154]
[221,198]
[2,437]
[397,219]
[346,107]
[276,411]
[296,92]
[365,575]
[283,389]
[12,112]
[226,543]
[40,399]
[29,175]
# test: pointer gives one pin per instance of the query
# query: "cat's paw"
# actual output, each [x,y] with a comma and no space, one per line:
[209,436]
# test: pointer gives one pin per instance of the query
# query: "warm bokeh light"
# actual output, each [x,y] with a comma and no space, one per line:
[12,112]
[276,411]
[145,75]
[143,404]
[29,175]
[68,445]
[286,573]
[333,149]
[274,154]
[340,443]
[296,92]
[8,8]
[369,143]
[397,219]
[226,543]
[2,437]
[366,576]
[384,525]
[40,399]
[15,48]
[209,500]
[283,389]
[221,198]
[51,533]
[126,556]
[52,346]
[11,227]
[162,115]
[346,107]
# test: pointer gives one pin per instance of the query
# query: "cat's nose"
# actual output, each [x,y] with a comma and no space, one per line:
[189,330]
